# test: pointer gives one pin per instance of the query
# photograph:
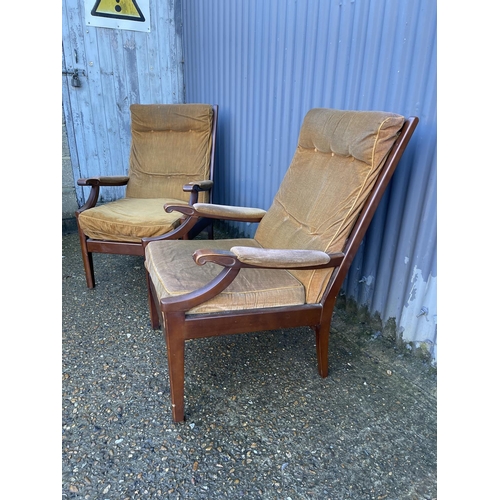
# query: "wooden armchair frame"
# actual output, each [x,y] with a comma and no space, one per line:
[90,245]
[178,326]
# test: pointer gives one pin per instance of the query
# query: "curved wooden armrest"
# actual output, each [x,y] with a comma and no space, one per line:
[263,258]
[192,299]
[180,231]
[183,209]
[112,180]
[95,183]
[223,258]
[227,212]
[195,187]
[198,186]
[294,259]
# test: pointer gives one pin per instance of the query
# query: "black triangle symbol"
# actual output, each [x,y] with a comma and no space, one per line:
[116,15]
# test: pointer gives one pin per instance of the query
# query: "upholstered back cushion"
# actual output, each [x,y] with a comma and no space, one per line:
[334,168]
[171,146]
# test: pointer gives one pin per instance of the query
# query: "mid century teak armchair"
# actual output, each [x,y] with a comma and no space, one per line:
[171,161]
[291,272]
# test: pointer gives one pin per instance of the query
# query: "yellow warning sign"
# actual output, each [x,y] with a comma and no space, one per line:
[118,9]
[118,14]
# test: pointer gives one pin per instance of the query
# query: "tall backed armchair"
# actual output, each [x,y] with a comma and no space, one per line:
[171,162]
[291,272]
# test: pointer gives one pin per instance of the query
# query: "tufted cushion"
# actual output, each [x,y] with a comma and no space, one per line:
[334,168]
[171,146]
[129,219]
[173,272]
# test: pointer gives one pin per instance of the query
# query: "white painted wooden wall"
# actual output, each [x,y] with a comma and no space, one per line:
[116,69]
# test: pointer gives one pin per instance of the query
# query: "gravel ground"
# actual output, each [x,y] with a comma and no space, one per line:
[260,422]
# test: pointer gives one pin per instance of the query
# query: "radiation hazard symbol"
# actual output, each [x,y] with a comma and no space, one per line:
[118,9]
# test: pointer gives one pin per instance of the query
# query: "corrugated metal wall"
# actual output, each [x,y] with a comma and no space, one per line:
[267,62]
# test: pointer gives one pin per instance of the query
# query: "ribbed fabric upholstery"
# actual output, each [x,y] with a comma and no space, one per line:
[171,146]
[334,168]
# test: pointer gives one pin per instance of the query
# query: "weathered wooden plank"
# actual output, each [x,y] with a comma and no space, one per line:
[121,67]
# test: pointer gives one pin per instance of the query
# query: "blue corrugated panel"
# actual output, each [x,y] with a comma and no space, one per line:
[266,63]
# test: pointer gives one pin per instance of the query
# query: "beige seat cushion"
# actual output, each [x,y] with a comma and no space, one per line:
[174,272]
[129,219]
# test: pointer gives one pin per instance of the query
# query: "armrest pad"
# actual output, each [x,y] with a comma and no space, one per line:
[112,180]
[198,186]
[283,259]
[229,212]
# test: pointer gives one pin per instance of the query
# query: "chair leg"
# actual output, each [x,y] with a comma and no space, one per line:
[322,339]
[210,231]
[174,339]
[153,309]
[88,262]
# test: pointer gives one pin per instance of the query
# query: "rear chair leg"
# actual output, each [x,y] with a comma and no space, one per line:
[322,339]
[153,309]
[210,231]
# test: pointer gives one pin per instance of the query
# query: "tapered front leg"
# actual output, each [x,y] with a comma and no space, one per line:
[174,338]
[88,263]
